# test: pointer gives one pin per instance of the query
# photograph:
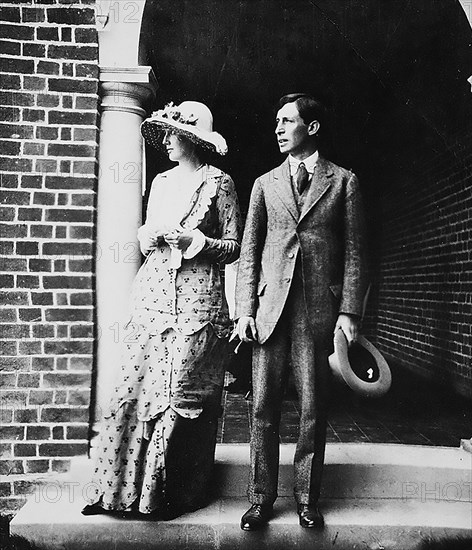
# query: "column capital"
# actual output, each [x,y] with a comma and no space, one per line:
[127,89]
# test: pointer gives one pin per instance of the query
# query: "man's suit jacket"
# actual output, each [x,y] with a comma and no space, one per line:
[329,236]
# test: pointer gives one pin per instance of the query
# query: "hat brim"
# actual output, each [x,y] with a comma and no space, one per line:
[343,371]
[152,130]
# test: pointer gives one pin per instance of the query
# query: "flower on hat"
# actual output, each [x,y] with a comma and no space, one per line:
[171,111]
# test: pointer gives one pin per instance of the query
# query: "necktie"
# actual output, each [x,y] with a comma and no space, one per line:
[301,178]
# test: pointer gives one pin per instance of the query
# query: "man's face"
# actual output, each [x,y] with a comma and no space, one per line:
[292,133]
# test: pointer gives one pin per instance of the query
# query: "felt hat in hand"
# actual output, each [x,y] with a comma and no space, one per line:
[191,119]
[361,366]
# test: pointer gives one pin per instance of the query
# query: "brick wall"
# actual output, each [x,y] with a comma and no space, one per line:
[421,304]
[48,164]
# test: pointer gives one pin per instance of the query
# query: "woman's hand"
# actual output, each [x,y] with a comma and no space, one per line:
[179,238]
[148,239]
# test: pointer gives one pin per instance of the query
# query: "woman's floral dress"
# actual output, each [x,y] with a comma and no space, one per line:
[158,437]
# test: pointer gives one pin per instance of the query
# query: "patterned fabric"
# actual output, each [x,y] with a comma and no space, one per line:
[190,297]
[134,454]
[159,434]
[170,369]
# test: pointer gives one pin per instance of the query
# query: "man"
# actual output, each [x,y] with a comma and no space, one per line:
[301,276]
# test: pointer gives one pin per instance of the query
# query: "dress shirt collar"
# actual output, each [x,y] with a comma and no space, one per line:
[309,162]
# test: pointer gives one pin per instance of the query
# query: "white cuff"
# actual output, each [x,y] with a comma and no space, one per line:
[143,235]
[142,232]
[196,246]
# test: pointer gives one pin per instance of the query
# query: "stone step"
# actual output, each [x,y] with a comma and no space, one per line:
[374,496]
[352,470]
[387,524]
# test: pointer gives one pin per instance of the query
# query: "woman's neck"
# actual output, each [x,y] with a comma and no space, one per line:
[190,164]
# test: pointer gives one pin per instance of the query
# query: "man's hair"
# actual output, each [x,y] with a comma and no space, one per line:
[309,108]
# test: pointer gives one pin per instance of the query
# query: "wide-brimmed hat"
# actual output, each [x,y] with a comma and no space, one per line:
[191,119]
[361,366]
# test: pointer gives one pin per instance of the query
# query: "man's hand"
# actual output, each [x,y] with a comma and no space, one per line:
[246,329]
[349,325]
[180,239]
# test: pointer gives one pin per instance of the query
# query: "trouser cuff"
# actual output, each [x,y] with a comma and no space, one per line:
[304,498]
[259,498]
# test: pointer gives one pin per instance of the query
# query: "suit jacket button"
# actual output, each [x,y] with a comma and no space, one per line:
[291,255]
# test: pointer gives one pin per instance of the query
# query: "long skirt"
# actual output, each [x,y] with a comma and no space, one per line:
[163,465]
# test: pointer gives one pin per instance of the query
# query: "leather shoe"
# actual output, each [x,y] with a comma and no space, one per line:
[310,517]
[94,509]
[256,517]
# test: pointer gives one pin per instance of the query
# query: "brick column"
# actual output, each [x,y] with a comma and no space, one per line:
[125,93]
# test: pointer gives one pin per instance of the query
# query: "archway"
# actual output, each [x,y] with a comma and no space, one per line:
[393,74]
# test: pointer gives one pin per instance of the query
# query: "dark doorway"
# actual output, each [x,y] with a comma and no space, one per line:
[393,74]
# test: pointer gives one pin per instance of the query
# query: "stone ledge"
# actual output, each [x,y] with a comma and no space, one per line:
[394,516]
[365,523]
[352,470]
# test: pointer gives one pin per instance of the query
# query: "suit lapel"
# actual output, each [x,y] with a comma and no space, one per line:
[283,188]
[318,186]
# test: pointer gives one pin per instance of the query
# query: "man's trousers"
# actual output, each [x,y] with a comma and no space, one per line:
[292,338]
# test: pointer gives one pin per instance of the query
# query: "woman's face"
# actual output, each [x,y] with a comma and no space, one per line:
[177,147]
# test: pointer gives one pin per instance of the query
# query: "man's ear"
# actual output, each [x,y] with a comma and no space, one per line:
[313,128]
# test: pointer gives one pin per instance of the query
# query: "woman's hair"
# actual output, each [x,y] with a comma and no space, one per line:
[309,108]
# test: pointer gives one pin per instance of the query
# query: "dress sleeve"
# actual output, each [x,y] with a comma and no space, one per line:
[147,228]
[225,250]
[153,201]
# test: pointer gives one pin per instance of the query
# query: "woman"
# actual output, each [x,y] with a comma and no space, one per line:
[158,439]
